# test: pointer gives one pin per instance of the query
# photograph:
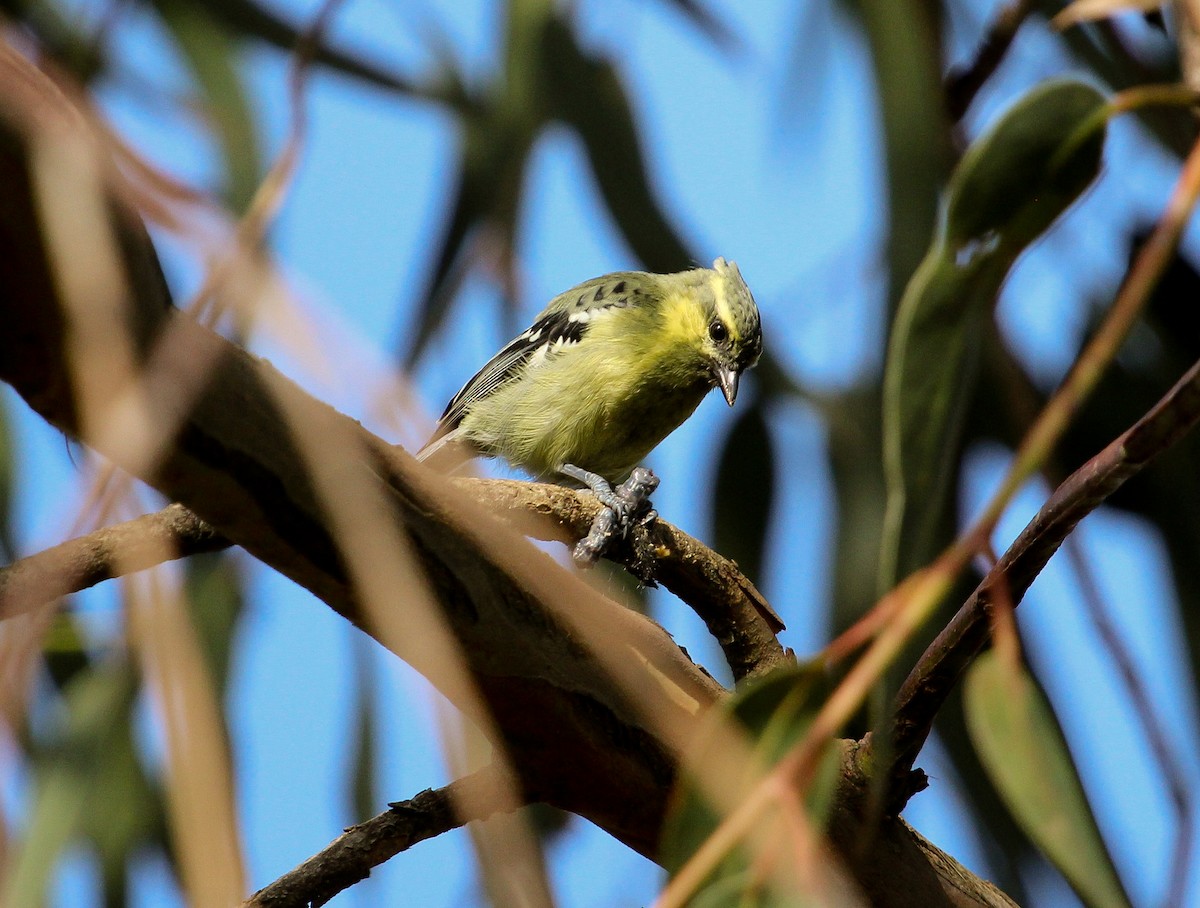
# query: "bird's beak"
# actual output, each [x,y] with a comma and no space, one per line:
[727,378]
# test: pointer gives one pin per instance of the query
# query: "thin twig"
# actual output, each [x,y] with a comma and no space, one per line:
[350,857]
[963,83]
[174,532]
[943,663]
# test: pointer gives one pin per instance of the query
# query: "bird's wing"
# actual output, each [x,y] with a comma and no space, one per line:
[561,324]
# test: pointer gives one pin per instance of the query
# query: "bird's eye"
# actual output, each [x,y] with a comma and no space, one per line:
[718,332]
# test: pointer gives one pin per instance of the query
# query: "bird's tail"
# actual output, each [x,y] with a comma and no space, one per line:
[445,453]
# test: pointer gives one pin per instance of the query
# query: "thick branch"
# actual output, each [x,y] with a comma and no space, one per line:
[943,663]
[350,857]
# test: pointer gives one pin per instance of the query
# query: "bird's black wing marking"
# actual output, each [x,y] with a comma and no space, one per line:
[562,324]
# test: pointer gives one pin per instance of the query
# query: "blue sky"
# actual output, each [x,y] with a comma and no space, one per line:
[769,156]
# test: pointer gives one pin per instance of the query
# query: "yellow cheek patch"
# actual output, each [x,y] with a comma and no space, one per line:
[682,320]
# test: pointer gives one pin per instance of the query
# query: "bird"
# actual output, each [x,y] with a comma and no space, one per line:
[606,371]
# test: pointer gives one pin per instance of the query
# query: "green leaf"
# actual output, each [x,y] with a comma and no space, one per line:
[363,799]
[776,712]
[905,47]
[215,597]
[745,491]
[74,791]
[1010,186]
[1016,179]
[212,57]
[1022,748]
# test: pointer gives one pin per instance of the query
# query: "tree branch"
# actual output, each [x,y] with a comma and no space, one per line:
[735,612]
[946,659]
[349,858]
[114,551]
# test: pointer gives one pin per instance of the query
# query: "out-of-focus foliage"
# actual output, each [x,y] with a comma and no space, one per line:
[1014,731]
[1011,184]
[775,713]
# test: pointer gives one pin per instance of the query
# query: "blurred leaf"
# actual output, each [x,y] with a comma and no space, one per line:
[906,53]
[363,799]
[64,650]
[494,155]
[1012,183]
[1022,748]
[215,597]
[745,492]
[586,93]
[775,711]
[212,57]
[1018,177]
[87,782]
[81,54]
[248,20]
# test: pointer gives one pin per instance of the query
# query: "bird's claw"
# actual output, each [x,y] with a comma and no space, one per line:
[624,507]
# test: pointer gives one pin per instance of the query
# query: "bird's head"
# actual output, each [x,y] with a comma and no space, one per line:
[733,336]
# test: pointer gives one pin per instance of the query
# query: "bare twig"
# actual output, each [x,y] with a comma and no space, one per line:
[963,83]
[174,532]
[943,663]
[350,857]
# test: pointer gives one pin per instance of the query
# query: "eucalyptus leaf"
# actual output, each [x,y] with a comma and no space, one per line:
[1021,746]
[212,57]
[586,92]
[72,772]
[1010,186]
[775,712]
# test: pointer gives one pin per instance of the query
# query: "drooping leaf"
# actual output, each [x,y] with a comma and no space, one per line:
[1022,748]
[363,800]
[1009,187]
[212,58]
[486,198]
[905,46]
[87,783]
[214,591]
[745,492]
[775,713]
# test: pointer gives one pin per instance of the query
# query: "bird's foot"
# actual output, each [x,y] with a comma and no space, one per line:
[626,506]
